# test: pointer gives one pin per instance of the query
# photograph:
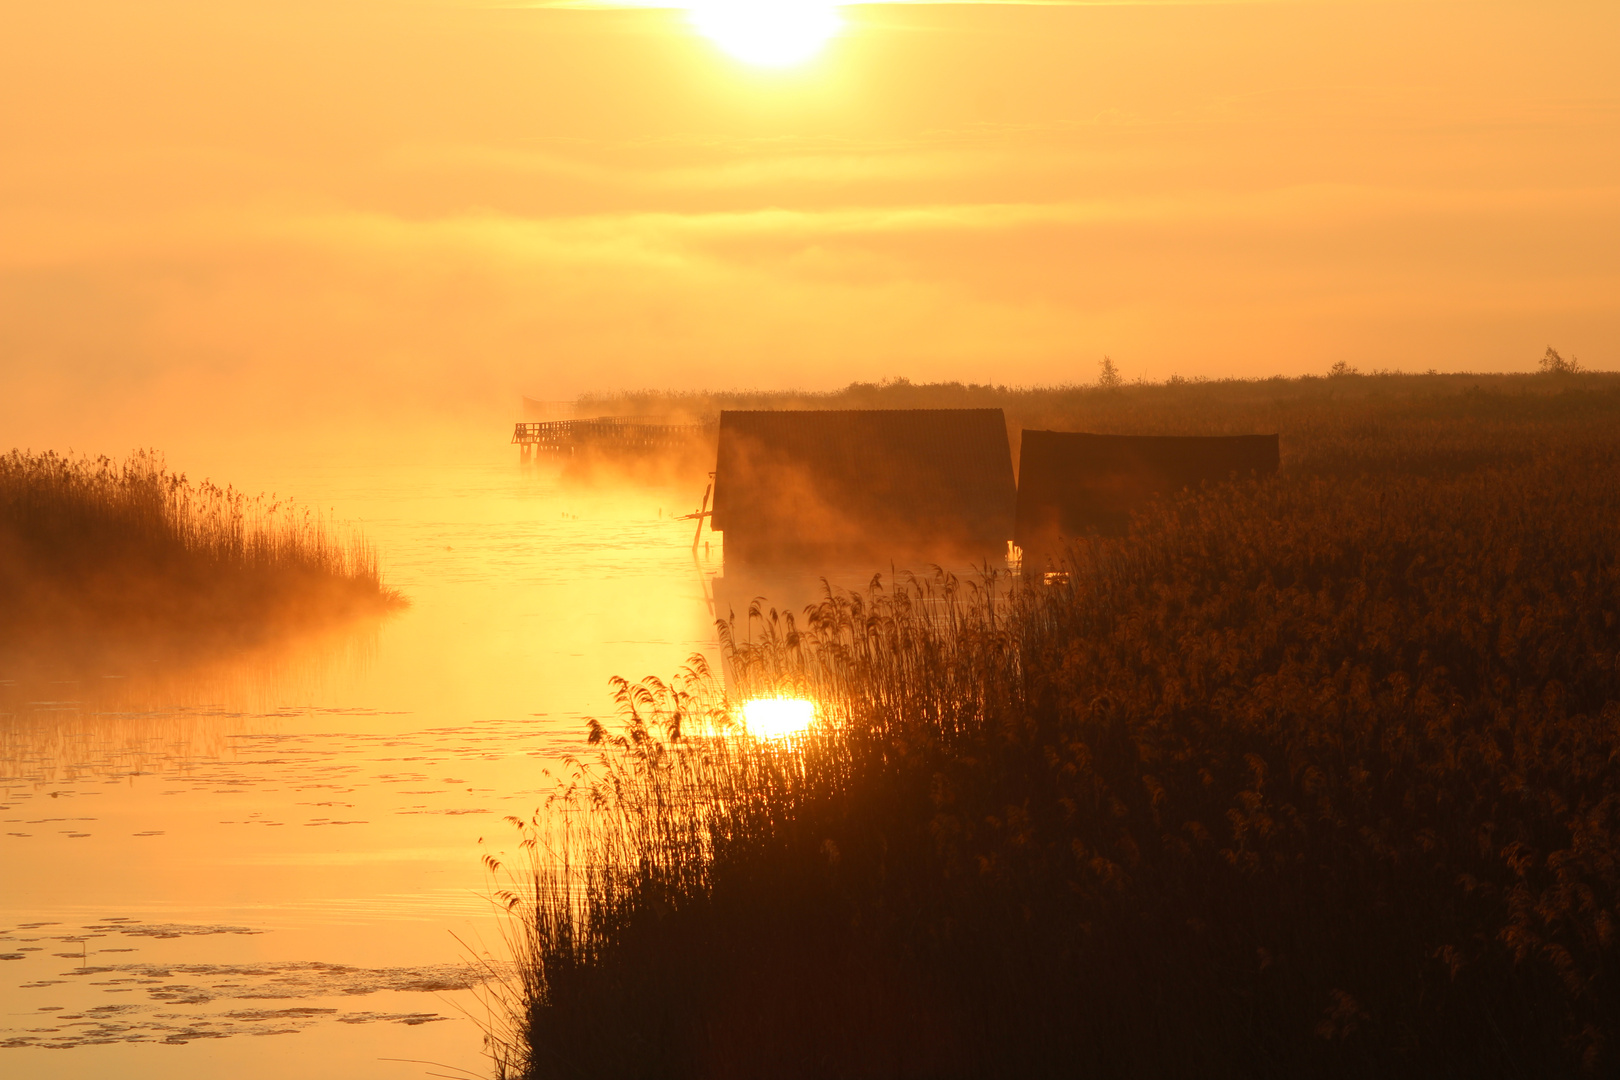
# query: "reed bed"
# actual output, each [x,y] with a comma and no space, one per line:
[97,554]
[1316,776]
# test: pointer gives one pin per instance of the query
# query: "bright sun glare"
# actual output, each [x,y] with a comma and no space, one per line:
[772,718]
[767,33]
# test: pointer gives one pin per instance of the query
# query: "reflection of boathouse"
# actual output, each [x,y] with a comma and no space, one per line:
[881,482]
[1071,484]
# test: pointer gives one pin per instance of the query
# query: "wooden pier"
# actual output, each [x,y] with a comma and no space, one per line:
[613,434]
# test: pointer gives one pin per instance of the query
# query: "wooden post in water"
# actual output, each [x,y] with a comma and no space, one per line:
[703,512]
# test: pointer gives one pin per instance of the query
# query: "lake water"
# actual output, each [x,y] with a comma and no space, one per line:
[272,867]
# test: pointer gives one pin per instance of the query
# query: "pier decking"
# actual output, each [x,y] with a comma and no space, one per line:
[628,434]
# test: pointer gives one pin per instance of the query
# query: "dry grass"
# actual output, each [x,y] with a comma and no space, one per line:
[1316,776]
[100,557]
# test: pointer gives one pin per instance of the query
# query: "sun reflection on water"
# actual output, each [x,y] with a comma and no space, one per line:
[775,717]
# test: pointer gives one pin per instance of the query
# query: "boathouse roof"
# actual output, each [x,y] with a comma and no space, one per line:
[863,481]
[1073,483]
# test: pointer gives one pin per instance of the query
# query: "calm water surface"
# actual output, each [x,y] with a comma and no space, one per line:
[271,867]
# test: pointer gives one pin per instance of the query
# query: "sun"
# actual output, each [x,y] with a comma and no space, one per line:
[767,33]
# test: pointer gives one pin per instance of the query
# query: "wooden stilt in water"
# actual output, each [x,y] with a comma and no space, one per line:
[703,512]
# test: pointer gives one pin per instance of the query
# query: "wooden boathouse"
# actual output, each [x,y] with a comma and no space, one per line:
[1073,484]
[791,485]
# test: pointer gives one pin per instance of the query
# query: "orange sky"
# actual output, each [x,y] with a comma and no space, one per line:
[301,209]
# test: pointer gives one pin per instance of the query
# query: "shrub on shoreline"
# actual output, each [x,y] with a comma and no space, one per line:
[99,555]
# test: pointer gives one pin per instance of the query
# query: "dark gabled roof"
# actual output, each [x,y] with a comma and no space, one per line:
[856,479]
[1071,482]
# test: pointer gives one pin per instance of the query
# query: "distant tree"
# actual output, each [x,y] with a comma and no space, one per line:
[1554,364]
[1340,369]
[1108,373]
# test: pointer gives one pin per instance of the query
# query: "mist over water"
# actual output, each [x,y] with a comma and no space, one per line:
[287,842]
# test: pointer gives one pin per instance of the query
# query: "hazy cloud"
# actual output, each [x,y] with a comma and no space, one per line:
[308,211]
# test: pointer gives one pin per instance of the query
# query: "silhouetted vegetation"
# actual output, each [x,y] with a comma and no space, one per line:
[101,558]
[1307,410]
[1312,776]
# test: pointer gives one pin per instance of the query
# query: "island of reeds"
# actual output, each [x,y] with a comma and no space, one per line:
[1310,776]
[103,560]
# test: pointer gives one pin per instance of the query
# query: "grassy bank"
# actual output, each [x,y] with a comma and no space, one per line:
[101,558]
[1315,776]
[1314,414]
